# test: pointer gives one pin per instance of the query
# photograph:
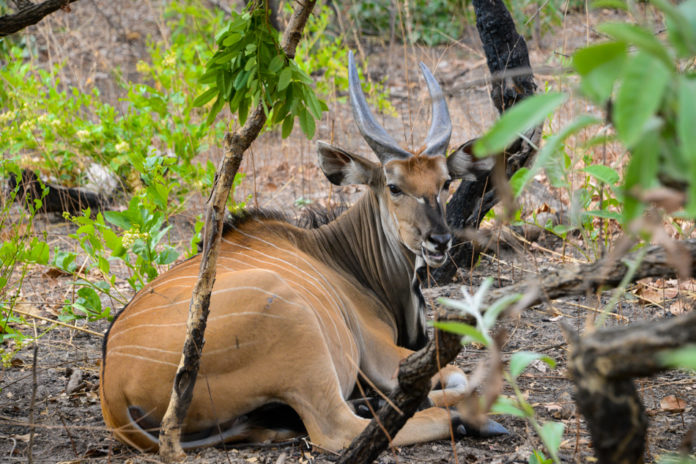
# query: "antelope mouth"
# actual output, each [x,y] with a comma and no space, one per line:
[433,258]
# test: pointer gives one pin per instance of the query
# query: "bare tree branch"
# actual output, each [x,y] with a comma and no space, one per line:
[236,144]
[29,15]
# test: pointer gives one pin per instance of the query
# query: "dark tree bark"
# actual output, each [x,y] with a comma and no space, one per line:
[30,14]
[505,50]
[603,365]
[511,81]
[236,144]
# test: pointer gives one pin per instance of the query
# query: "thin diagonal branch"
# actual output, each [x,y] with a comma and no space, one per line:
[236,144]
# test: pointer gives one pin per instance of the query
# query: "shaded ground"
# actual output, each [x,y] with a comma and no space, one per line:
[68,423]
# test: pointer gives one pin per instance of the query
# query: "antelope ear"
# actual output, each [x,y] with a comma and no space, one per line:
[343,168]
[462,164]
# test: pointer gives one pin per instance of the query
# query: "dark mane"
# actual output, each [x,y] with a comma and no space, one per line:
[310,218]
[243,216]
[314,217]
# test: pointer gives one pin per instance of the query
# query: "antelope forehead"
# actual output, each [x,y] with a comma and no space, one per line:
[419,176]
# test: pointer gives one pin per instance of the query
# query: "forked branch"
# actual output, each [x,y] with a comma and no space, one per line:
[236,144]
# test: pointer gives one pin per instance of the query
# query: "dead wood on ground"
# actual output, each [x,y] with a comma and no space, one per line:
[74,200]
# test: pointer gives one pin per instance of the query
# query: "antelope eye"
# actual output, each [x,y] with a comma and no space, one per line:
[394,189]
[446,185]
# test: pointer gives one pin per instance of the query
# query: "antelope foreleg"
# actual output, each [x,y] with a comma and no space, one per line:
[429,425]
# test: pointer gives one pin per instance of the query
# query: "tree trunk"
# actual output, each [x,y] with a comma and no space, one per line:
[236,145]
[603,365]
[511,81]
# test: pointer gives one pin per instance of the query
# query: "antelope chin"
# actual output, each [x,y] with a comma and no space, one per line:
[433,258]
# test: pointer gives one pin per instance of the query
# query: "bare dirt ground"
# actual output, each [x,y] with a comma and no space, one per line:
[66,415]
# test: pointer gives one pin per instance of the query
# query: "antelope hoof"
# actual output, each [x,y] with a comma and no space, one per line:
[490,429]
[362,406]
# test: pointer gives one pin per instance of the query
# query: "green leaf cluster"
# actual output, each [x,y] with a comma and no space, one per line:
[684,358]
[651,84]
[250,68]
[151,140]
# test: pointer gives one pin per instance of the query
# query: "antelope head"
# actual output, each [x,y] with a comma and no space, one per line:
[411,187]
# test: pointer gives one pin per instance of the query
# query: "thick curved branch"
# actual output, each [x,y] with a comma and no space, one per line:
[29,15]
[414,384]
[236,144]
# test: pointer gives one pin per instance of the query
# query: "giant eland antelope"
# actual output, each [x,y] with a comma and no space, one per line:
[296,314]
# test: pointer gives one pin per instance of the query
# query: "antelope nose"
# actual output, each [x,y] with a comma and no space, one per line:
[441,241]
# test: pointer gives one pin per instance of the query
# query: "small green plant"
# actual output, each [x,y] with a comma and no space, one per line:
[550,432]
[473,305]
[139,248]
[20,250]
